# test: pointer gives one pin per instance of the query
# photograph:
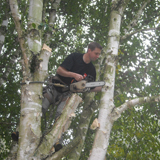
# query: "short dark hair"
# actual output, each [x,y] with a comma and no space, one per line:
[94,45]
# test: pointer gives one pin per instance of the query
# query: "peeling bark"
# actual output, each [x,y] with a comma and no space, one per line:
[30,120]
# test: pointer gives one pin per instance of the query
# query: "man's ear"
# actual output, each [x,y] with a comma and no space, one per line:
[89,50]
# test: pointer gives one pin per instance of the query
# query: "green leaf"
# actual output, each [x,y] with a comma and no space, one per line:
[34,25]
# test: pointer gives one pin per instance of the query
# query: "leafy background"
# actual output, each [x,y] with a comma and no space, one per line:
[135,135]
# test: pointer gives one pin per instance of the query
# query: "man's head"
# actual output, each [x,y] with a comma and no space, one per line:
[94,50]
[94,45]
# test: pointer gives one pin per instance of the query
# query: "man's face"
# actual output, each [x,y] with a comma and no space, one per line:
[94,55]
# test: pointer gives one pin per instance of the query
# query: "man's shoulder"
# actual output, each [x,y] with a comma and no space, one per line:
[77,54]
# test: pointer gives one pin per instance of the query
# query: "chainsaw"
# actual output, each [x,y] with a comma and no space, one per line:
[84,86]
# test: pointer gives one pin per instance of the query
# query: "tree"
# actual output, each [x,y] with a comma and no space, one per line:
[122,26]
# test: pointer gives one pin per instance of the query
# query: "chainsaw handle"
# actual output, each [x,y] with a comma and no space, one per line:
[74,80]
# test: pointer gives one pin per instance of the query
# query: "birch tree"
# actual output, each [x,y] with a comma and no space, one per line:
[107,103]
[129,65]
[108,113]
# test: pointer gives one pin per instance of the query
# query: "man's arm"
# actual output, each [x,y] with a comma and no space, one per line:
[65,73]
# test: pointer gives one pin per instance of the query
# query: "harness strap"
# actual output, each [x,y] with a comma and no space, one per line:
[65,88]
[56,77]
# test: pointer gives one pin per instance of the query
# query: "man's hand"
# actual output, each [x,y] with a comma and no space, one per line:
[78,77]
[63,72]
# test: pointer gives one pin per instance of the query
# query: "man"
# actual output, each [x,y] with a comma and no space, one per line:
[74,67]
[77,64]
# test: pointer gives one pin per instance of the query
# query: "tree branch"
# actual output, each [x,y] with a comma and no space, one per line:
[88,110]
[17,20]
[59,127]
[138,15]
[52,18]
[74,148]
[131,103]
[137,31]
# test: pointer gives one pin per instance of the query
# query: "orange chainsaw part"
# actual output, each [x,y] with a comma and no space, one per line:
[84,76]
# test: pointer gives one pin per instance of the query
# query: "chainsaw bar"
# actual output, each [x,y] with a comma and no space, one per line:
[94,84]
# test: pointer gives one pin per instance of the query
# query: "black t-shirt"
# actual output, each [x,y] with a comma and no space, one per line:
[74,63]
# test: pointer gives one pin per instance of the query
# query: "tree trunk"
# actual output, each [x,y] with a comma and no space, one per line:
[101,140]
[33,69]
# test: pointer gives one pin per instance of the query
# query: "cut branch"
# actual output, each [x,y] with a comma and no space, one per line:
[86,115]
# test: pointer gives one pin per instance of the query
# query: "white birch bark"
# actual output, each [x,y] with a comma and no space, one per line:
[31,110]
[108,114]
[131,103]
[35,16]
[30,120]
[17,18]
[52,19]
[101,140]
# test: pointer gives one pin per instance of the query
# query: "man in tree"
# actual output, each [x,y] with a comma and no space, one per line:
[75,67]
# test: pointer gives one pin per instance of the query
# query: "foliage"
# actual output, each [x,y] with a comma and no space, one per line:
[10,73]
[136,133]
